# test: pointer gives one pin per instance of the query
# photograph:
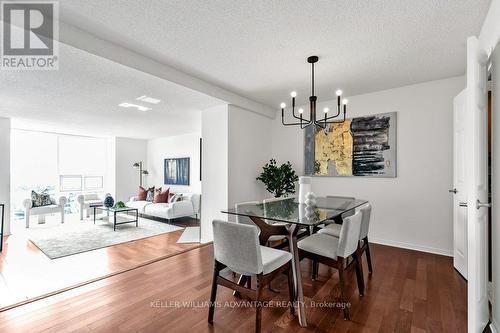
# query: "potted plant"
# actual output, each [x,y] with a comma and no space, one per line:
[279,180]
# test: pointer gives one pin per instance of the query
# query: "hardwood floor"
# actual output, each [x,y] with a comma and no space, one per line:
[26,273]
[409,291]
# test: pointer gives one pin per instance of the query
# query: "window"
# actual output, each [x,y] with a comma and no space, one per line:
[93,183]
[70,183]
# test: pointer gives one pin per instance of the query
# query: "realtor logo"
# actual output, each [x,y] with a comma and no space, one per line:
[29,35]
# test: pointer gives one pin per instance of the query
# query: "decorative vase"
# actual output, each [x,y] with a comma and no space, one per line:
[109,201]
[304,188]
[310,199]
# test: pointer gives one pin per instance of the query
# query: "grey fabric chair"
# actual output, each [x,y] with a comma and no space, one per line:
[275,238]
[240,208]
[364,246]
[334,251]
[236,246]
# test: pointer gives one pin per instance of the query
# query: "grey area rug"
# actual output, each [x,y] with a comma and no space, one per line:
[190,235]
[66,240]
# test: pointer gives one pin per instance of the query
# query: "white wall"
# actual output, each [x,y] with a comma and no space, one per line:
[187,145]
[5,171]
[250,136]
[214,186]
[128,151]
[414,209]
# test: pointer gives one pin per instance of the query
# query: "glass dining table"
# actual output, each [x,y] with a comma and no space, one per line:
[286,217]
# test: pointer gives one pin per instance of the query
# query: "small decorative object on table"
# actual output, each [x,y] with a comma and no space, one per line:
[120,204]
[310,199]
[304,188]
[109,201]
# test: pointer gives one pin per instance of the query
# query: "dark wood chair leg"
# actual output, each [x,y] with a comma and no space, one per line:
[359,273]
[258,305]
[315,268]
[249,282]
[341,265]
[213,294]
[291,290]
[368,255]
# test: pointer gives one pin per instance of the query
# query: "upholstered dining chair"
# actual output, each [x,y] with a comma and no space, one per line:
[275,241]
[240,209]
[276,238]
[333,252]
[364,246]
[236,246]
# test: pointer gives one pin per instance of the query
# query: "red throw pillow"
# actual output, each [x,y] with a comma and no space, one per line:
[142,194]
[162,197]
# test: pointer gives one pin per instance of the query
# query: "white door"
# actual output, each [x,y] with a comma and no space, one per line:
[459,185]
[477,184]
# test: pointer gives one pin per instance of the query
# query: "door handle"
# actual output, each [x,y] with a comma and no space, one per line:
[454,191]
[462,204]
[479,204]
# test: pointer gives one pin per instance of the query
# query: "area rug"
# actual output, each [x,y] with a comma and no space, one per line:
[190,235]
[69,239]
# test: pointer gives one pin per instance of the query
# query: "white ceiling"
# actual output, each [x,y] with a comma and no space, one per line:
[82,97]
[258,48]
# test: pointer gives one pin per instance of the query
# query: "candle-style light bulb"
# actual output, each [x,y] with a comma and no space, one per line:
[345,101]
[283,105]
[325,110]
[339,92]
[301,111]
[293,94]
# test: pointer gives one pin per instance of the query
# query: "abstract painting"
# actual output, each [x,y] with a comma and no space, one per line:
[361,146]
[176,171]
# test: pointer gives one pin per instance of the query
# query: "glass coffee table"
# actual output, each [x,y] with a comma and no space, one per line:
[115,211]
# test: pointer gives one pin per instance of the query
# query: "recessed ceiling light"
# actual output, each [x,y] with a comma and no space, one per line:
[130,105]
[148,99]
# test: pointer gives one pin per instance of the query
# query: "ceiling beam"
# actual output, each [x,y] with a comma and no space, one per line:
[87,42]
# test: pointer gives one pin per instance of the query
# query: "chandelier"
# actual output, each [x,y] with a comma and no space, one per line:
[323,122]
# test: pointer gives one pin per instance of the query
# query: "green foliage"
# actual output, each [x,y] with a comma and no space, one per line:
[120,204]
[279,180]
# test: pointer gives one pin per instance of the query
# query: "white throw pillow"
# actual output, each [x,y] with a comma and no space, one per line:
[176,197]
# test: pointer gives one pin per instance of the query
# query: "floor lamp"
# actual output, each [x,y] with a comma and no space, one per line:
[138,165]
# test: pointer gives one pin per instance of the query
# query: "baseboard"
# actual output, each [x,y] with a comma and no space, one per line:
[409,246]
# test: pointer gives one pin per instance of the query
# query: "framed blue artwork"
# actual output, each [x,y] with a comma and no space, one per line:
[176,171]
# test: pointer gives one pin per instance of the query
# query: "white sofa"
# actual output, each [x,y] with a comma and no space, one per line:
[57,207]
[188,206]
[87,201]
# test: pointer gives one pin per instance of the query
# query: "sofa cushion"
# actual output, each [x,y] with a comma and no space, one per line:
[176,197]
[92,203]
[40,199]
[161,196]
[150,194]
[159,210]
[139,205]
[142,194]
[47,209]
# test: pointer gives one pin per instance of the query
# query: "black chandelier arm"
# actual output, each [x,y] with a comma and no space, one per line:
[334,121]
[301,123]
[293,109]
[336,115]
[320,124]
